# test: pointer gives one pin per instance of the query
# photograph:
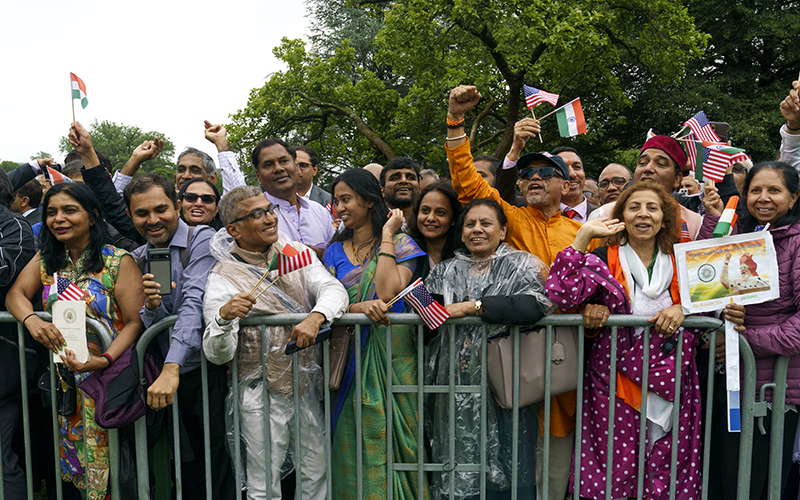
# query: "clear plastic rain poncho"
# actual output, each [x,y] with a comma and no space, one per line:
[288,295]
[463,278]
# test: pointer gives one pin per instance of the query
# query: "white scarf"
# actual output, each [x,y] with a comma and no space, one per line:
[636,272]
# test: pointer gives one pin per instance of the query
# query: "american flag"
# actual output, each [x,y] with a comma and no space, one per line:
[690,146]
[287,264]
[701,128]
[716,161]
[534,96]
[685,234]
[431,312]
[67,290]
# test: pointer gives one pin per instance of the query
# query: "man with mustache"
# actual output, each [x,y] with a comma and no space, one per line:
[278,174]
[155,210]
[539,228]
[400,184]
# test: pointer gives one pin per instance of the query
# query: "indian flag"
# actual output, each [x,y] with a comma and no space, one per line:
[570,119]
[78,89]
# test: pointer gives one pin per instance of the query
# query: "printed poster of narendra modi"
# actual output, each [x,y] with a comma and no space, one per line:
[712,272]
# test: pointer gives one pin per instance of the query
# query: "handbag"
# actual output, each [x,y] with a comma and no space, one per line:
[66,393]
[117,390]
[532,344]
[339,353]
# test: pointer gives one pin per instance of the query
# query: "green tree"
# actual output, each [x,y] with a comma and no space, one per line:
[355,106]
[118,142]
[41,154]
[8,165]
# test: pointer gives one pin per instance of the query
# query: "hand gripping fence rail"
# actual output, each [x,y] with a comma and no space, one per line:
[105,338]
[751,409]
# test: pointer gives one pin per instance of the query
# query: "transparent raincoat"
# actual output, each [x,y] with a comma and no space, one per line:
[289,295]
[506,273]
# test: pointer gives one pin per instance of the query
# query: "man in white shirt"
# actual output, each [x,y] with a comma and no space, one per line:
[244,251]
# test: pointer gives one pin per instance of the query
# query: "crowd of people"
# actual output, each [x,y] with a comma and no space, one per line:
[509,240]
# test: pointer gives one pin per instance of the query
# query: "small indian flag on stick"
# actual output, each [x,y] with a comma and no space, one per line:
[78,89]
[570,119]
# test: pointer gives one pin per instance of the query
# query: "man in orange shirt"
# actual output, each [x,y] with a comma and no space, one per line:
[538,228]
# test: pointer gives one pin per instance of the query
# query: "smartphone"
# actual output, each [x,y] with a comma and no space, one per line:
[322,336]
[161,269]
[683,191]
[721,129]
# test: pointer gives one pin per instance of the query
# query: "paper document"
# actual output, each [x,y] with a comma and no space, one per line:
[69,316]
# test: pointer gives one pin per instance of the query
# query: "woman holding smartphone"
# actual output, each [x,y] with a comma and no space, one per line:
[73,248]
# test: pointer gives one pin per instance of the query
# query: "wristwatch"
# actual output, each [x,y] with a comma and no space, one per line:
[478,307]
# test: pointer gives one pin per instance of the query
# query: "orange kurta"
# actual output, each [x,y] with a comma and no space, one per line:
[528,230]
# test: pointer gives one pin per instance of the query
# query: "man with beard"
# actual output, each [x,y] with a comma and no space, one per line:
[155,210]
[539,228]
[400,185]
[278,174]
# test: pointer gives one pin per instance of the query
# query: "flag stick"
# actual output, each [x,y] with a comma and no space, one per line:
[397,297]
[72,99]
[534,117]
[550,113]
[268,287]
[266,273]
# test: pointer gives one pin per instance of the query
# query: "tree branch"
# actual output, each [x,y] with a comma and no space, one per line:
[486,110]
[360,124]
[487,141]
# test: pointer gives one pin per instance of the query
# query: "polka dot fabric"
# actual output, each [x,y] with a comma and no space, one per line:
[576,279]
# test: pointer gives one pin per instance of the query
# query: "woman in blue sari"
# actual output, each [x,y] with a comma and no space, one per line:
[374,264]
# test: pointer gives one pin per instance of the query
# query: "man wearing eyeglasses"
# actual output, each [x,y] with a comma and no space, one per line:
[308,163]
[244,251]
[612,181]
[155,210]
[539,228]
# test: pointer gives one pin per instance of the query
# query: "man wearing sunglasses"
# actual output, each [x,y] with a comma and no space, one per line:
[538,228]
[308,163]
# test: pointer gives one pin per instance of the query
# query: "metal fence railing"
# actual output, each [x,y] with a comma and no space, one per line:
[752,410]
[105,338]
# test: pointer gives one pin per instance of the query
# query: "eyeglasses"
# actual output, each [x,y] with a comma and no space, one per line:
[208,199]
[303,165]
[258,214]
[739,169]
[617,181]
[544,172]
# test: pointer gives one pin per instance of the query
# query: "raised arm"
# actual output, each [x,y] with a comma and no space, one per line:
[506,177]
[231,173]
[790,133]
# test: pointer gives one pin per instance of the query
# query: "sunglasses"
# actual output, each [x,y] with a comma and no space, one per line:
[208,199]
[739,169]
[303,165]
[258,214]
[617,181]
[545,173]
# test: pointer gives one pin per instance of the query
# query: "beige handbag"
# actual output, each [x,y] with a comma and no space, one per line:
[339,353]
[564,370]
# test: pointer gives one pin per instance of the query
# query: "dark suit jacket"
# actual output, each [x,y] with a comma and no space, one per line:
[114,209]
[20,176]
[34,217]
[505,181]
[320,195]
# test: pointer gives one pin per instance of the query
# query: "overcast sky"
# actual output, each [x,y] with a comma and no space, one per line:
[162,65]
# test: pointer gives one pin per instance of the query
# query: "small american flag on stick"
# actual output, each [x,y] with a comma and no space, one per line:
[431,312]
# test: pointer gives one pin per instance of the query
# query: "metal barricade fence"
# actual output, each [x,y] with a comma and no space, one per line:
[105,338]
[750,408]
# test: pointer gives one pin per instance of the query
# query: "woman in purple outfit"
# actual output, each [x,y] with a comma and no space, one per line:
[771,191]
[635,274]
